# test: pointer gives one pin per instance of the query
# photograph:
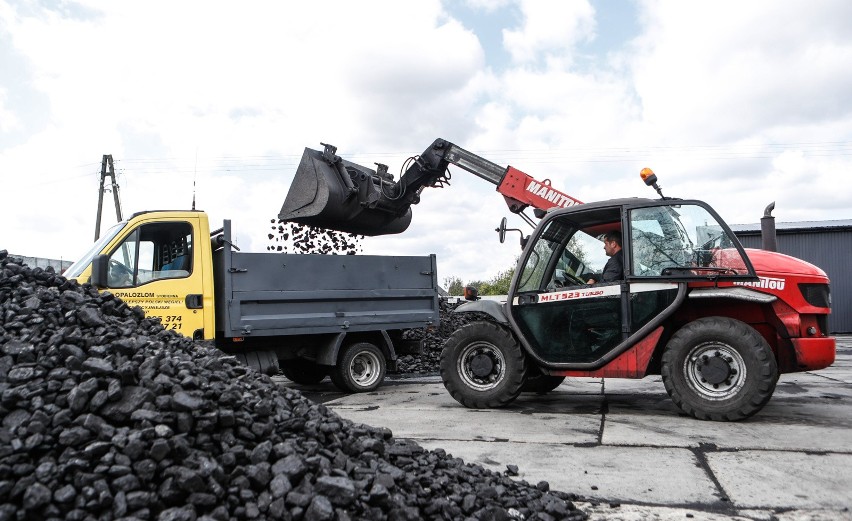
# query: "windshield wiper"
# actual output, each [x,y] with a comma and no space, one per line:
[683,270]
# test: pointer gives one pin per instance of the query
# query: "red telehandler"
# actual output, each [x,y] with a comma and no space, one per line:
[718,322]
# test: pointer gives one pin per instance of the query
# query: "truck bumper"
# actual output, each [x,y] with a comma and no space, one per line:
[814,353]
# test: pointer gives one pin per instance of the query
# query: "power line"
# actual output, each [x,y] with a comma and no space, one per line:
[286,163]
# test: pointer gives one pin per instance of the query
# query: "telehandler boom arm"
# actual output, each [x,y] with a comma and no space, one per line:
[333,193]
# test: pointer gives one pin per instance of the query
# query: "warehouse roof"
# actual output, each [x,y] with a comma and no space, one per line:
[799,226]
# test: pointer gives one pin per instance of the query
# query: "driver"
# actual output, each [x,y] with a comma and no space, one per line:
[614,268]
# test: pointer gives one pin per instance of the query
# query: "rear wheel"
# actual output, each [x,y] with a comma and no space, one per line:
[265,362]
[361,367]
[483,366]
[304,371]
[719,369]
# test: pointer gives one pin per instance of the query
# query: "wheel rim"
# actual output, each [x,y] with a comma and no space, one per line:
[715,370]
[365,369]
[481,366]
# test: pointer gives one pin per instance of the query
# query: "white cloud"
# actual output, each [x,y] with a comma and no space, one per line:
[723,70]
[740,104]
[551,27]
[8,121]
[488,5]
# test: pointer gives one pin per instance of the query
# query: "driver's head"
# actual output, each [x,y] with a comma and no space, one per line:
[612,243]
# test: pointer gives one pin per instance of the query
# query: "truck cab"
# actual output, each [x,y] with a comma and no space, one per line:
[161,262]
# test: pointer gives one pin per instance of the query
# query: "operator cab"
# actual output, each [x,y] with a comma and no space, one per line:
[568,323]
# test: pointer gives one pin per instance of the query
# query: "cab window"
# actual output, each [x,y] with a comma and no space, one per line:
[681,240]
[152,252]
[569,251]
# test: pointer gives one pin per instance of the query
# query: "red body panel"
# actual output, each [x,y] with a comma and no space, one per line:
[520,188]
[633,363]
[791,327]
[814,353]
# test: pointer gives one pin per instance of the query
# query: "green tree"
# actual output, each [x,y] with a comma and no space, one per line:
[454,285]
[499,283]
[496,285]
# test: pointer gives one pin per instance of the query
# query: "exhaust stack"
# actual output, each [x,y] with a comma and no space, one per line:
[767,229]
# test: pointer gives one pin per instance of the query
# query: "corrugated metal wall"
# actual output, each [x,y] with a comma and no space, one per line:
[38,262]
[831,251]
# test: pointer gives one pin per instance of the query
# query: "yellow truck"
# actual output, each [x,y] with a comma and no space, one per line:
[311,315]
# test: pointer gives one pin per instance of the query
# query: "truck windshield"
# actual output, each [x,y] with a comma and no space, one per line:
[77,268]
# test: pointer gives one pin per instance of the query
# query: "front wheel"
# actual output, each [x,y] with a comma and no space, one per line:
[360,368]
[720,369]
[483,366]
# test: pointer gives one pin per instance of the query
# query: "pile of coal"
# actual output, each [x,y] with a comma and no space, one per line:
[289,237]
[106,415]
[428,361]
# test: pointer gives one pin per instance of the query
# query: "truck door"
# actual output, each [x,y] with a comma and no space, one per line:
[158,267]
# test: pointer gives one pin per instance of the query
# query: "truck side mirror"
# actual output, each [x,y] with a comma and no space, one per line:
[100,268]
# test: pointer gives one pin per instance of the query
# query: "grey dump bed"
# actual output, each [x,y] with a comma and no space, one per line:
[270,294]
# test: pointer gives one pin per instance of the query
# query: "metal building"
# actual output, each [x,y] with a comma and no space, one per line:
[827,244]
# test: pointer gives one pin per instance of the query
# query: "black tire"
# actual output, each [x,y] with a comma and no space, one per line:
[719,369]
[483,366]
[304,371]
[360,368]
[541,383]
[265,362]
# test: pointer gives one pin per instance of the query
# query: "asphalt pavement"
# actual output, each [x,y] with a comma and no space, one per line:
[631,454]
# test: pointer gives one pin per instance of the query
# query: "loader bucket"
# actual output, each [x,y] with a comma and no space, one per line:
[339,196]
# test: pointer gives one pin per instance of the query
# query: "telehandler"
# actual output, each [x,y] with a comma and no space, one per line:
[718,322]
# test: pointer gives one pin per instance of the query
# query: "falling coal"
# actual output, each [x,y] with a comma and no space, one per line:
[290,237]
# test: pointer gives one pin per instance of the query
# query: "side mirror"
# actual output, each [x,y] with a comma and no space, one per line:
[100,268]
[501,233]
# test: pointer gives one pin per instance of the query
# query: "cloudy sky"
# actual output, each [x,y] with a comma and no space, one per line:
[736,103]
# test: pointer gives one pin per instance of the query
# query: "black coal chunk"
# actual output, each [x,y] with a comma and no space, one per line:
[428,360]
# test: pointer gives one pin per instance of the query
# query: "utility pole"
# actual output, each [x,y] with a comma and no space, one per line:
[107,163]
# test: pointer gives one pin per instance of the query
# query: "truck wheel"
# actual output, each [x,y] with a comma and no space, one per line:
[541,383]
[360,368]
[719,369]
[265,362]
[483,366]
[304,371]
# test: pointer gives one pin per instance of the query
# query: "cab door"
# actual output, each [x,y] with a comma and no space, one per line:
[563,321]
[675,242]
[158,267]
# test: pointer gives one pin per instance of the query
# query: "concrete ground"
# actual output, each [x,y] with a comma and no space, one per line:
[630,454]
